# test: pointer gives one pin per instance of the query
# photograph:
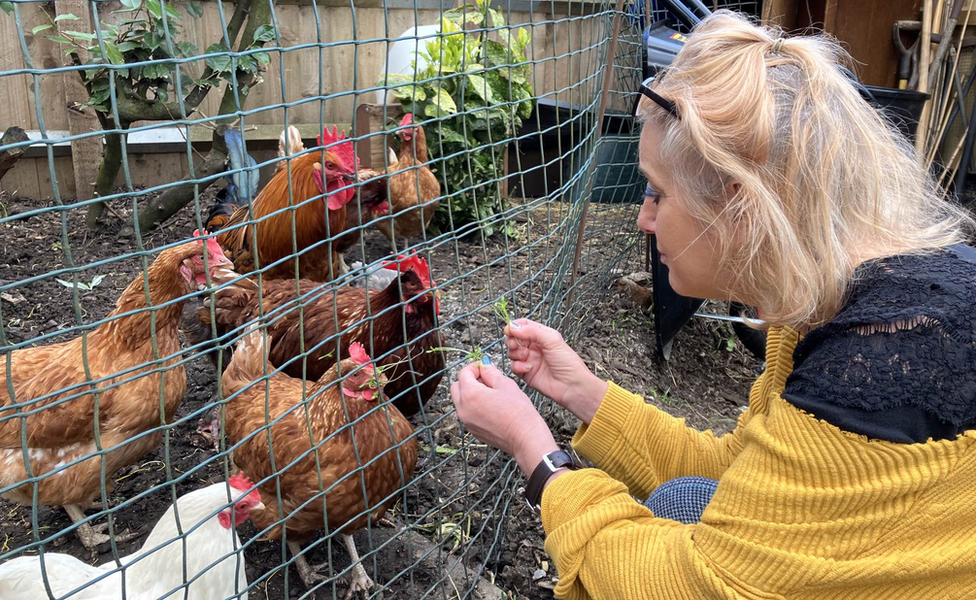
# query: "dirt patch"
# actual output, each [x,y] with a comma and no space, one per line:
[461,497]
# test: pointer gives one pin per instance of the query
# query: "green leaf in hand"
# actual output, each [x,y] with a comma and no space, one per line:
[501,310]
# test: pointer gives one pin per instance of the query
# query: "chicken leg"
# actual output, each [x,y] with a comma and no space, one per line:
[309,575]
[360,580]
[91,536]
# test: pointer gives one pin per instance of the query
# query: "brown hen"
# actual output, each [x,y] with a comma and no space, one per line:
[317,430]
[398,320]
[121,350]
[414,192]
[312,174]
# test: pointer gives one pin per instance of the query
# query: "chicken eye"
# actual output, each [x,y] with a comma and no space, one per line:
[329,166]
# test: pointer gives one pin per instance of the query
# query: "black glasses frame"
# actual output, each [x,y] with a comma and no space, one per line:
[645,89]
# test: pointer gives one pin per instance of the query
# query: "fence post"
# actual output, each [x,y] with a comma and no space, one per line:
[601,111]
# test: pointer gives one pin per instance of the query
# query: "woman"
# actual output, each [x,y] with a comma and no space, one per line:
[851,473]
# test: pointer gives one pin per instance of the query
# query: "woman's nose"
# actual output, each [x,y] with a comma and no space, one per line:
[647,219]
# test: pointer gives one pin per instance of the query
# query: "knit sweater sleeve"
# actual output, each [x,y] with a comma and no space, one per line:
[643,446]
[605,545]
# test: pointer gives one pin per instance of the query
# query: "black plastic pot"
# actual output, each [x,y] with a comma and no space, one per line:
[552,150]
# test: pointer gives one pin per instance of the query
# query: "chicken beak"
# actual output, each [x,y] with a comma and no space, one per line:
[349,177]
[259,506]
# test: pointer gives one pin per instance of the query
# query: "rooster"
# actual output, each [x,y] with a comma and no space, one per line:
[369,203]
[310,432]
[312,174]
[121,352]
[397,323]
[414,192]
[156,570]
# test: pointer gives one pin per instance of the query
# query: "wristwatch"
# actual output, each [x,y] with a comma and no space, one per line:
[551,463]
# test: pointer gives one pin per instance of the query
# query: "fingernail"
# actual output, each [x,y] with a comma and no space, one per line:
[515,325]
[486,360]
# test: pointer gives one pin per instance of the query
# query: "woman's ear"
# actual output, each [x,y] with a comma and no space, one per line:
[732,189]
[741,216]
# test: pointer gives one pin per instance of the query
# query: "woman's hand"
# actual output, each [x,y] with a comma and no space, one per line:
[498,413]
[547,363]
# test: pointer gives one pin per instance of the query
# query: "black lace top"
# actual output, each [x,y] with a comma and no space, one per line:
[898,363]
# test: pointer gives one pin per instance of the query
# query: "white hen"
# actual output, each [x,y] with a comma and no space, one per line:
[375,278]
[214,560]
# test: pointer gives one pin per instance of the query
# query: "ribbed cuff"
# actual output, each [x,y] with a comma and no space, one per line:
[617,410]
[566,496]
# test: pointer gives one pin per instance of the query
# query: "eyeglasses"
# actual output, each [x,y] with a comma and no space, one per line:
[645,89]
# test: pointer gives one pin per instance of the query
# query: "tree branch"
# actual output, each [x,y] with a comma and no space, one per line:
[8,157]
[241,11]
[175,198]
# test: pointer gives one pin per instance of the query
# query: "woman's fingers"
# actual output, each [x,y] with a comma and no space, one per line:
[520,368]
[527,331]
[492,377]
[469,380]
[518,353]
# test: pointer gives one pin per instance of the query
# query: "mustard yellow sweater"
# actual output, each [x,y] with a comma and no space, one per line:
[803,509]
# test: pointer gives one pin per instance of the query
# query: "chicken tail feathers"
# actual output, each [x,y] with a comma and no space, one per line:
[250,356]
[293,139]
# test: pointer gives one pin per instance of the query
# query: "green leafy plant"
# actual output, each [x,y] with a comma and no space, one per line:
[472,355]
[501,310]
[479,90]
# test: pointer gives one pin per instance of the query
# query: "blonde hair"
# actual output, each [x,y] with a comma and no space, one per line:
[790,168]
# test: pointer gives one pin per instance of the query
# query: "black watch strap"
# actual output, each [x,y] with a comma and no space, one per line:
[551,463]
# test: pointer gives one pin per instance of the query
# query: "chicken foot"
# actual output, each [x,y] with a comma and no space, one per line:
[91,536]
[309,575]
[209,427]
[360,580]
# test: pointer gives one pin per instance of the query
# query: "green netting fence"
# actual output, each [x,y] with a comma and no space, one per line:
[125,119]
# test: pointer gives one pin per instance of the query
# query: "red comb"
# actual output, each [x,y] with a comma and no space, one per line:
[240,482]
[358,353]
[212,245]
[407,120]
[344,151]
[412,262]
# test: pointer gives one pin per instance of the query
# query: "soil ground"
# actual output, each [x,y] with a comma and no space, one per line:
[462,483]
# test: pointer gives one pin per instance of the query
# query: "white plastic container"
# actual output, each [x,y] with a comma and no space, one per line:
[404,50]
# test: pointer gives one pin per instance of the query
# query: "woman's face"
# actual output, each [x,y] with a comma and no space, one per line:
[685,246]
